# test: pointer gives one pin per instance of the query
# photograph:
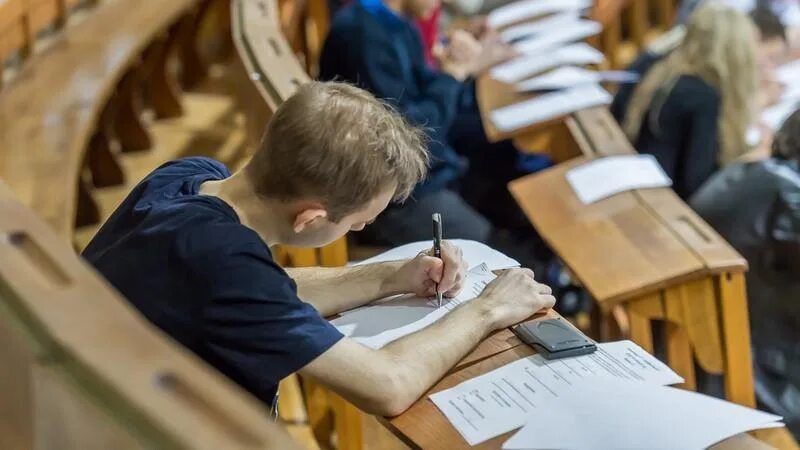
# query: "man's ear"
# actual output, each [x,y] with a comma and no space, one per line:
[308,217]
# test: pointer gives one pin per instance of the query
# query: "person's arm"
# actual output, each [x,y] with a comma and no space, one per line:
[332,290]
[701,151]
[387,381]
[384,75]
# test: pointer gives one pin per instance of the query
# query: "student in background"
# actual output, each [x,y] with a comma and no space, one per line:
[692,108]
[756,207]
[374,44]
[189,247]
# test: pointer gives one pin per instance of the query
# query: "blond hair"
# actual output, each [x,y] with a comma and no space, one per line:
[338,144]
[718,48]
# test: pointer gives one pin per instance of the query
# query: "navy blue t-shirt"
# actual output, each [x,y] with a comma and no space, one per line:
[186,262]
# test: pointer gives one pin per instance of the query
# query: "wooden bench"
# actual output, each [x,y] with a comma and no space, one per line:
[81,96]
[81,369]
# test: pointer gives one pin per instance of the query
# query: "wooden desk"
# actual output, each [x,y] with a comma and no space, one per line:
[423,426]
[552,137]
[647,250]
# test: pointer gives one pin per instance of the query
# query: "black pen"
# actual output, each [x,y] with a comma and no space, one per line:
[437,250]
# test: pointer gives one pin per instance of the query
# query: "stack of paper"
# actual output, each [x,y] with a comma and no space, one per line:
[570,76]
[526,9]
[390,319]
[541,26]
[611,414]
[528,65]
[611,175]
[565,34]
[549,106]
[507,398]
[614,398]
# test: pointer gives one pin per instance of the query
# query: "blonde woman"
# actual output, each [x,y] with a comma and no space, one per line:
[692,108]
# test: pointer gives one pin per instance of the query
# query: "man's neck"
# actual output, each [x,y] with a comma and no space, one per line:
[254,212]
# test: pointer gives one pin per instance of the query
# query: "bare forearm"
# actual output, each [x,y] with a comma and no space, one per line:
[332,290]
[422,358]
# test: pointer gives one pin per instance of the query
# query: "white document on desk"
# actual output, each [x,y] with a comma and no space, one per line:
[474,253]
[541,26]
[526,9]
[572,32]
[387,320]
[505,398]
[609,414]
[526,66]
[604,177]
[571,76]
[549,106]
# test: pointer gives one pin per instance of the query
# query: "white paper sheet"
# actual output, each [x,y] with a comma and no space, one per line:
[382,322]
[541,26]
[610,414]
[611,175]
[525,9]
[505,398]
[573,32]
[549,106]
[788,73]
[528,65]
[475,253]
[774,116]
[571,76]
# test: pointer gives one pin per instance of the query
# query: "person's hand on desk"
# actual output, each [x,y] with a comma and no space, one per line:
[515,296]
[421,274]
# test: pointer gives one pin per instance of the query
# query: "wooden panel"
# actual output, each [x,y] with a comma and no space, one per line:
[16,358]
[736,339]
[51,109]
[12,29]
[66,418]
[40,14]
[616,247]
[155,388]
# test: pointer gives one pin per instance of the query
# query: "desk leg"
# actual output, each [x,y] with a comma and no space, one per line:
[679,349]
[640,313]
[736,339]
[347,420]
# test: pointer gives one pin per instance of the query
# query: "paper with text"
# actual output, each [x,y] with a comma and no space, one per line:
[604,177]
[572,32]
[529,65]
[505,398]
[474,253]
[549,106]
[570,76]
[611,414]
[526,9]
[387,320]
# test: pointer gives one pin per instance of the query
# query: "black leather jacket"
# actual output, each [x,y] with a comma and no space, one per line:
[756,207]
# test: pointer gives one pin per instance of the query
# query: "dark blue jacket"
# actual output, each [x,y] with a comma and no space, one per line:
[374,48]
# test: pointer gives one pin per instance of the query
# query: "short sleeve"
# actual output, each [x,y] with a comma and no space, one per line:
[254,324]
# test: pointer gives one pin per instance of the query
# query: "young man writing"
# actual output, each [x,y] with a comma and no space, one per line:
[189,248]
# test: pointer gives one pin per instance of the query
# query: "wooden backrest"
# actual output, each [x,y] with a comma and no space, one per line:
[274,74]
[81,369]
[269,60]
[49,112]
[630,244]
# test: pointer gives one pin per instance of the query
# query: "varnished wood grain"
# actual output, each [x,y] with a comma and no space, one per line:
[91,362]
[48,112]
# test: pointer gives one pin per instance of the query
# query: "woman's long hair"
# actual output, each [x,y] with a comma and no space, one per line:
[718,48]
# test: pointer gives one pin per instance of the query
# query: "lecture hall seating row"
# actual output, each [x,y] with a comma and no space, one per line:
[80,369]
[73,98]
